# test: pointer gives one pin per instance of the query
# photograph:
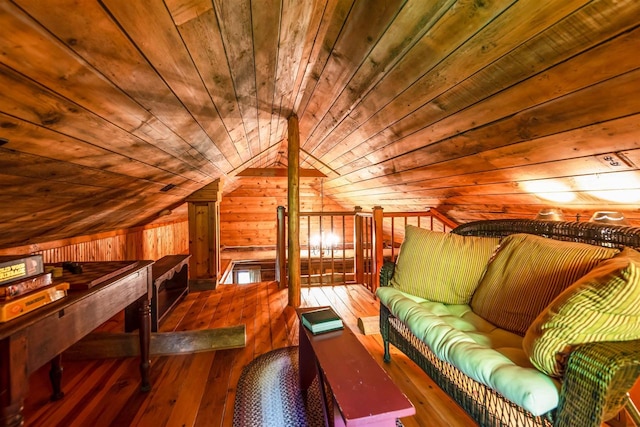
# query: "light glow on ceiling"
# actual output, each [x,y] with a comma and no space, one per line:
[550,189]
[617,188]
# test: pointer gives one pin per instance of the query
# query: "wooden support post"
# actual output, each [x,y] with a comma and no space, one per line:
[281,250]
[293,196]
[358,237]
[204,236]
[378,246]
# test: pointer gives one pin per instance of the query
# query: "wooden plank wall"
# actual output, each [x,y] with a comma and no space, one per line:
[248,213]
[149,242]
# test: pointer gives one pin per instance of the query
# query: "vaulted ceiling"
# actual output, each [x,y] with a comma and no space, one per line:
[485,108]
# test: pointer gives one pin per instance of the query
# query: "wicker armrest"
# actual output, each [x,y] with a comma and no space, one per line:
[386,273]
[597,378]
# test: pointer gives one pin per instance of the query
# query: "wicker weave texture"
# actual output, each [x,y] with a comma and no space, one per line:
[597,377]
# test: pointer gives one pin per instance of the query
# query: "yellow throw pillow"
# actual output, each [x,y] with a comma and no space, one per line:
[526,274]
[604,305]
[441,267]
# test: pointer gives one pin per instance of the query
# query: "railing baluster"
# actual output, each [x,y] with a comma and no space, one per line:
[370,231]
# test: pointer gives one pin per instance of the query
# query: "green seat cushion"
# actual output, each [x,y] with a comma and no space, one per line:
[604,305]
[489,355]
[526,273]
[441,267]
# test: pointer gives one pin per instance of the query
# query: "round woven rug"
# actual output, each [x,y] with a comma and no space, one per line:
[268,393]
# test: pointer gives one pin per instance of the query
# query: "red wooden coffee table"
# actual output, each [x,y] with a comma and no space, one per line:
[363,392]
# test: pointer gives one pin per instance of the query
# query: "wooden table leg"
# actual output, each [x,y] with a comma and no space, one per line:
[13,380]
[306,361]
[55,375]
[145,340]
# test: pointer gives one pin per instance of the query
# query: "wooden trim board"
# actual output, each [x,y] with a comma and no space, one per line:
[115,345]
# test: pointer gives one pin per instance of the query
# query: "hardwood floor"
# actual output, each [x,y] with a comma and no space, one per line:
[199,389]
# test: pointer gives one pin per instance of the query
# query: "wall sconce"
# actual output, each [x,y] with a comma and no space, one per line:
[550,214]
[609,217]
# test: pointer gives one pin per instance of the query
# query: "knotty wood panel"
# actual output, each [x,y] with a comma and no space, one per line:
[248,213]
[469,107]
[137,243]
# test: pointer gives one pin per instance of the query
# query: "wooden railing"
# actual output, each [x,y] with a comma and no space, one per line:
[351,246]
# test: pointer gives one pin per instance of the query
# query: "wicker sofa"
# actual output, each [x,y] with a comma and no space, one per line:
[597,376]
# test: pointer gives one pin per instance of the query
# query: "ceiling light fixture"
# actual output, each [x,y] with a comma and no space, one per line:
[609,217]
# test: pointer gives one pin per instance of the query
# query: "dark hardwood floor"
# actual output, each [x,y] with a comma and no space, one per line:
[199,389]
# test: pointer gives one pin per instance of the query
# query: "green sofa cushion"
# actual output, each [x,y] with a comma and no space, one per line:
[489,355]
[601,306]
[441,267]
[526,273]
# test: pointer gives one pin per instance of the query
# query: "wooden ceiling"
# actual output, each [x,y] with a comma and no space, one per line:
[485,108]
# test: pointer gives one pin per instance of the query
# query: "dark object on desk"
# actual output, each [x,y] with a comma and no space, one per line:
[72,267]
[322,320]
[94,273]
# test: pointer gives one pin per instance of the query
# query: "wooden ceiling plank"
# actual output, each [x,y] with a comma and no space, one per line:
[413,21]
[446,115]
[27,187]
[334,15]
[611,181]
[591,140]
[183,11]
[312,33]
[55,66]
[581,199]
[202,37]
[23,99]
[298,28]
[461,176]
[365,25]
[420,64]
[150,26]
[28,138]
[63,173]
[595,104]
[235,24]
[467,59]
[266,26]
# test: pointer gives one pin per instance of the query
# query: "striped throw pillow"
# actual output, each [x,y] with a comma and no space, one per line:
[441,267]
[526,274]
[601,306]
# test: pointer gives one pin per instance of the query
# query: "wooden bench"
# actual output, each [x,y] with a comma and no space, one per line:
[170,276]
[363,392]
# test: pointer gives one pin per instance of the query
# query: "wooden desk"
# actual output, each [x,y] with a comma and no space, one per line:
[363,392]
[30,341]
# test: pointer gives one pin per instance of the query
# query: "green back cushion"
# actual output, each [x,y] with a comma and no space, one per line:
[526,274]
[441,267]
[601,306]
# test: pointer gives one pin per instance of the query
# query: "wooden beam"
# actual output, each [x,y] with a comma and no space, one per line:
[108,345]
[293,197]
[281,172]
